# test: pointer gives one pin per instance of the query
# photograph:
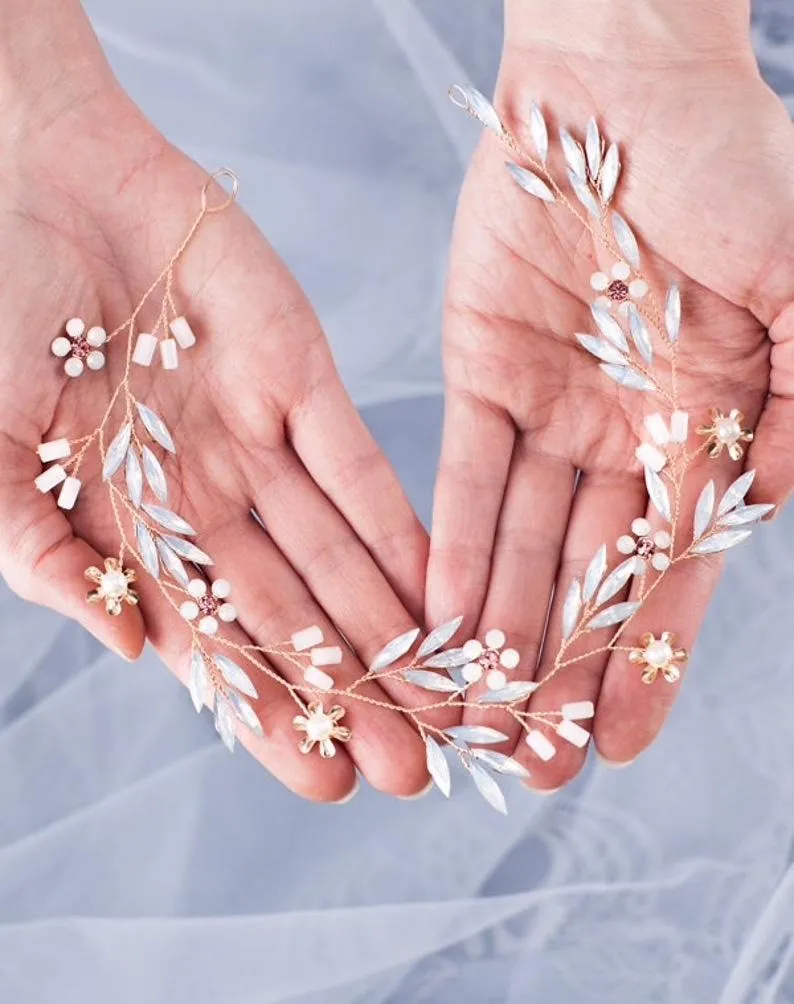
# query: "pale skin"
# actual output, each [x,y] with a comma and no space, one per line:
[94,202]
[708,185]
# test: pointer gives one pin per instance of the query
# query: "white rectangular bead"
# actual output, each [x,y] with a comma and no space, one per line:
[169,354]
[650,456]
[69,492]
[53,476]
[539,744]
[56,449]
[145,348]
[578,710]
[679,426]
[657,429]
[317,678]
[329,656]
[183,333]
[573,733]
[307,638]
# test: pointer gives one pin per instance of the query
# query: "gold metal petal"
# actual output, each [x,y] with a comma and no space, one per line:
[327,749]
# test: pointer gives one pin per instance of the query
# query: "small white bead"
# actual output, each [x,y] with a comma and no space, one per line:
[168,354]
[197,588]
[621,271]
[660,562]
[657,429]
[679,426]
[573,733]
[145,348]
[56,449]
[208,625]
[473,649]
[626,544]
[96,337]
[662,539]
[227,612]
[495,638]
[509,658]
[69,492]
[307,638]
[599,281]
[604,303]
[317,678]
[182,332]
[53,476]
[331,655]
[651,456]
[638,288]
[472,672]
[641,526]
[495,679]
[539,744]
[578,710]
[189,610]
[95,360]
[75,326]
[221,589]
[73,367]
[61,347]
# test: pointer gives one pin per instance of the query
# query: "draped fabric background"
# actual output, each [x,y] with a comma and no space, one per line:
[140,864]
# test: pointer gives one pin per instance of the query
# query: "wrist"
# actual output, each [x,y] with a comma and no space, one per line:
[632,31]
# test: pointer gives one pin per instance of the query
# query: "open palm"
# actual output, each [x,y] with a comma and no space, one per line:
[259,415]
[538,466]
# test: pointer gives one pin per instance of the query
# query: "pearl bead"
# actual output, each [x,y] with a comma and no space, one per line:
[626,544]
[197,587]
[510,658]
[472,649]
[319,727]
[221,589]
[96,337]
[638,289]
[227,613]
[472,672]
[189,610]
[621,271]
[641,526]
[113,585]
[495,638]
[599,281]
[95,360]
[73,367]
[658,654]
[728,430]
[496,679]
[208,625]
[61,347]
[75,326]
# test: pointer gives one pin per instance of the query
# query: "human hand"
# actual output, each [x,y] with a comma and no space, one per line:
[93,203]
[708,185]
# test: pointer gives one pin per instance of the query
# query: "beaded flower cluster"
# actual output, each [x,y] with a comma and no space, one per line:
[135,445]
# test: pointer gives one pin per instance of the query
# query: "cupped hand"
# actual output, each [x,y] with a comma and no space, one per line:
[538,467]
[93,204]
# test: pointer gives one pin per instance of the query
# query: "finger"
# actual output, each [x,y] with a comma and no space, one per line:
[337,569]
[526,557]
[630,712]
[476,453]
[771,455]
[337,449]
[272,604]
[603,510]
[45,562]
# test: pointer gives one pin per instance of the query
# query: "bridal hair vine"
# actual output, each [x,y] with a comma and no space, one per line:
[134,445]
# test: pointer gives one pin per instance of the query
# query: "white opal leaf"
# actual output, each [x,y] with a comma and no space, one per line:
[513,692]
[168,520]
[246,714]
[224,722]
[658,494]
[147,550]
[616,580]
[531,183]
[481,734]
[704,510]
[539,132]
[592,147]
[574,156]
[746,514]
[672,312]
[395,650]
[610,173]
[626,240]
[640,334]
[156,427]
[235,675]
[613,615]
[594,574]
[447,660]
[609,327]
[439,637]
[117,451]
[431,681]
[501,762]
[134,477]
[476,104]
[627,377]
[155,475]
[736,493]
[571,609]
[437,766]
[172,564]
[717,542]
[602,349]
[199,680]
[188,551]
[583,193]
[488,787]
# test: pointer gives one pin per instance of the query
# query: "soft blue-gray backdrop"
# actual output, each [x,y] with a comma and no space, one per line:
[140,864]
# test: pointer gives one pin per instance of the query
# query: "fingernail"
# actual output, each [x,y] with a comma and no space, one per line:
[617,764]
[349,796]
[418,794]
[544,791]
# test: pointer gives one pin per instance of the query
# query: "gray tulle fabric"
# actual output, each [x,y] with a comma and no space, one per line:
[140,864]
